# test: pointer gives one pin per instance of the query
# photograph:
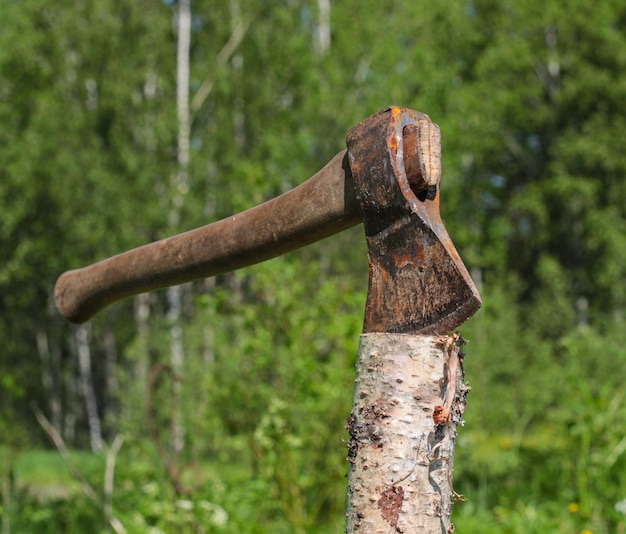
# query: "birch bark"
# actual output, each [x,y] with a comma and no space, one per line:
[401,461]
[181,187]
[87,388]
[322,34]
[50,364]
[110,365]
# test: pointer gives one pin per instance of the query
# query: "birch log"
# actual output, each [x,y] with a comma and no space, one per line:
[409,397]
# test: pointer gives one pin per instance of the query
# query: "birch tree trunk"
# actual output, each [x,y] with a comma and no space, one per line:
[141,314]
[181,187]
[6,493]
[86,387]
[322,33]
[110,364]
[181,176]
[409,397]
[50,364]
[72,403]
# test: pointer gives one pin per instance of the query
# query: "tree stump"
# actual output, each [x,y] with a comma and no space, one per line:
[409,398]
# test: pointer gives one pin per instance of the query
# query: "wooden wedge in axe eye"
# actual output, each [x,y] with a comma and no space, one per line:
[409,390]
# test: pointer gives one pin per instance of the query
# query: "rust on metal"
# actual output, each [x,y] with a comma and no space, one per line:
[417,283]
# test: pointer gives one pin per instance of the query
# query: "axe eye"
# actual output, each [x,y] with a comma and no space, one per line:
[427,194]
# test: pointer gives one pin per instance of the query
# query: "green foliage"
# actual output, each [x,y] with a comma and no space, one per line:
[529,97]
[542,453]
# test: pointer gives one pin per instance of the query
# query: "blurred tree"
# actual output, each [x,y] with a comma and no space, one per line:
[539,111]
[83,140]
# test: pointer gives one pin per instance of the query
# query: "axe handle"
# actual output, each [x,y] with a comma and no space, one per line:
[322,206]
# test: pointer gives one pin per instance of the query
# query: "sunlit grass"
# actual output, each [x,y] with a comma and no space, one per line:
[45,475]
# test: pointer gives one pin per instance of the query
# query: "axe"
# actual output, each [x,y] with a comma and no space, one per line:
[409,390]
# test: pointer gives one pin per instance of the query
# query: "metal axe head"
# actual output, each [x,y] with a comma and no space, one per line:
[389,180]
[417,281]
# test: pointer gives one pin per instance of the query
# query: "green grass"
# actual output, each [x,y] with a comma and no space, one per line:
[44,475]
[505,500]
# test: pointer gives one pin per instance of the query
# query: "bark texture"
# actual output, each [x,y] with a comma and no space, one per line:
[83,335]
[401,460]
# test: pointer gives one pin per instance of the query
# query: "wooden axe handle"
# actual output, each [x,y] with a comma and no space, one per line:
[320,207]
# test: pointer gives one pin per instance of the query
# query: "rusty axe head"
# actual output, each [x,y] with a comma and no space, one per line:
[417,283]
[389,180]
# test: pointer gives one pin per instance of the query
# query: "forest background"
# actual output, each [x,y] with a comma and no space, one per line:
[107,142]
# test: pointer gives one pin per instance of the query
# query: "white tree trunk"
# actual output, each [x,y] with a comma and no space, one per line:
[86,387]
[50,363]
[6,494]
[110,364]
[177,357]
[182,97]
[181,187]
[322,34]
[401,460]
[72,403]
[141,314]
